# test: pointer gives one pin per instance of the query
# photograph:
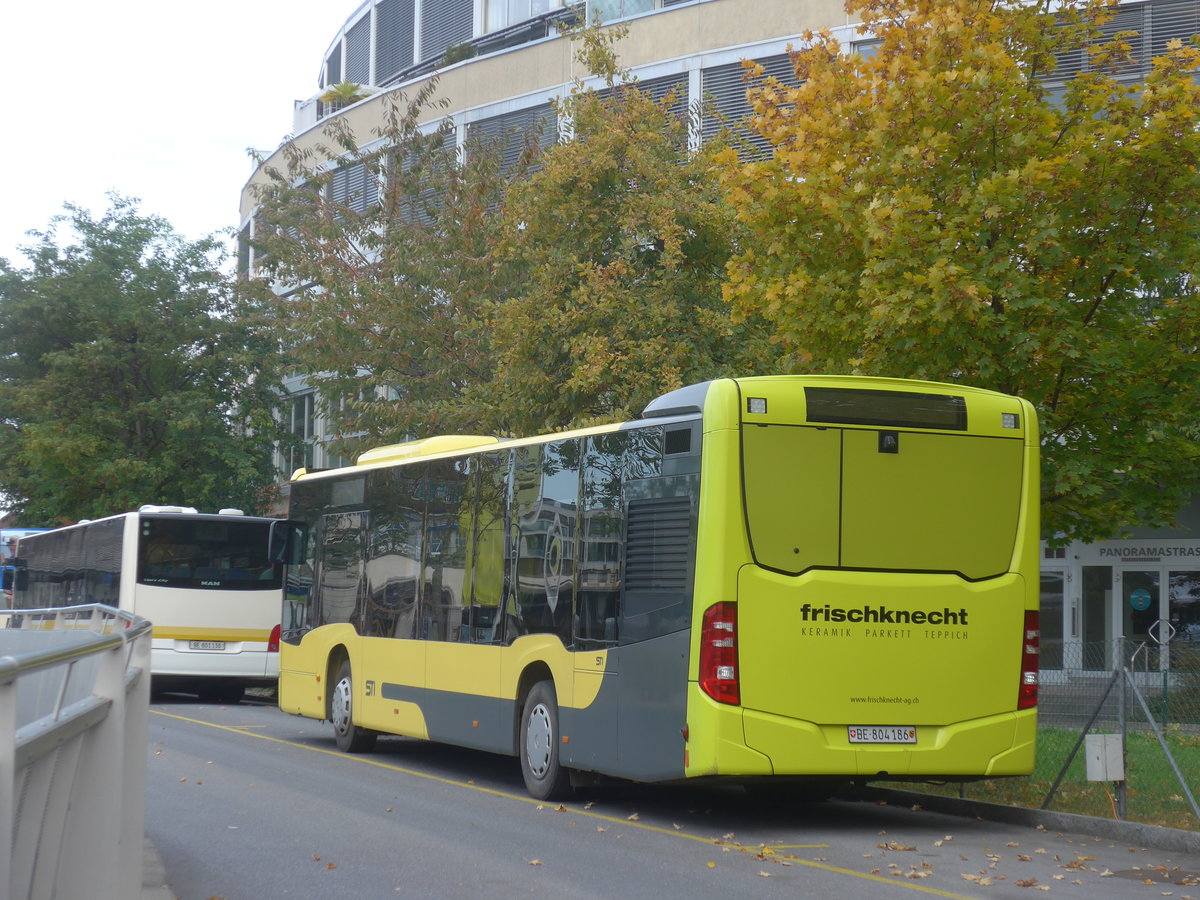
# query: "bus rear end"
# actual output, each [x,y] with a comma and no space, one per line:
[210,587]
[866,601]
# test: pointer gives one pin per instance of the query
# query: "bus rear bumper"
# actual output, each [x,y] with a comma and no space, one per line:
[237,660]
[732,741]
[996,745]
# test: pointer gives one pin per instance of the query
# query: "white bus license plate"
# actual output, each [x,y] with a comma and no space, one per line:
[206,645]
[882,734]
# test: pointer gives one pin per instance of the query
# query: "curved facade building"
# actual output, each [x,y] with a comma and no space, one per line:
[501,62]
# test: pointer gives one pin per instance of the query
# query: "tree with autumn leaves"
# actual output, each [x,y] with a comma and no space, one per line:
[385,264]
[949,207]
[952,208]
[618,240]
[573,291]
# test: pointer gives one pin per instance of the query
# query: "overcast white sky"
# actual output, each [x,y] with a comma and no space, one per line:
[155,100]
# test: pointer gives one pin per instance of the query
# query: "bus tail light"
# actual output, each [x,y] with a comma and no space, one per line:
[1027,693]
[718,654]
[273,640]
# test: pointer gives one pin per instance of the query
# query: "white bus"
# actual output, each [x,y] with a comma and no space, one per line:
[210,584]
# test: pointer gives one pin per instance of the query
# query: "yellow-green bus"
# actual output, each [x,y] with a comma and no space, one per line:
[820,578]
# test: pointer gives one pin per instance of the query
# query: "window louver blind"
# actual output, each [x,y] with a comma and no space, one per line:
[395,37]
[333,66]
[1155,24]
[444,24]
[351,187]
[512,130]
[1174,20]
[358,52]
[658,88]
[723,89]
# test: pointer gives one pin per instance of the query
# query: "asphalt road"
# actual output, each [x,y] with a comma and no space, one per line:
[247,803]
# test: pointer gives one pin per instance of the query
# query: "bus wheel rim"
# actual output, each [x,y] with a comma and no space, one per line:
[538,734]
[341,706]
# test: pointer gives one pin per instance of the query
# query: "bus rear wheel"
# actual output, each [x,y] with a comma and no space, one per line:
[350,737]
[545,777]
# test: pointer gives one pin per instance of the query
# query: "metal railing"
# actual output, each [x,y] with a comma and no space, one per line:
[74,703]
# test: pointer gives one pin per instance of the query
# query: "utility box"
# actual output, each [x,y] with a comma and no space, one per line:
[1105,757]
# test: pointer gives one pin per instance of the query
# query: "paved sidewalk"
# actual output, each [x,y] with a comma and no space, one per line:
[1156,837]
[154,876]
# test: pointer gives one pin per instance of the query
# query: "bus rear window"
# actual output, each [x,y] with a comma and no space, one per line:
[833,498]
[889,409]
[207,554]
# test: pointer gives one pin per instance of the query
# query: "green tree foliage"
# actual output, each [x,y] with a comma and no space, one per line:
[619,238]
[936,211]
[127,374]
[380,278]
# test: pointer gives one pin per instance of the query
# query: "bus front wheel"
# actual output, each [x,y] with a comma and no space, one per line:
[545,777]
[350,738]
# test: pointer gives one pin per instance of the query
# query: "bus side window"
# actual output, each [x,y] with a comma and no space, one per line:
[394,554]
[343,546]
[601,533]
[487,556]
[447,527]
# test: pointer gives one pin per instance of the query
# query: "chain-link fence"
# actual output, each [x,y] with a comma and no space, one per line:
[1168,677]
[1148,693]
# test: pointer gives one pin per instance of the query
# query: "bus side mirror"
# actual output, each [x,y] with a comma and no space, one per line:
[286,542]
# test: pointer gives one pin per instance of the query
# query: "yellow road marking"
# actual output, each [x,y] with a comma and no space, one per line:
[641,826]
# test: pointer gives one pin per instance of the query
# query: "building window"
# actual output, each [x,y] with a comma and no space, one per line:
[608,10]
[302,428]
[502,13]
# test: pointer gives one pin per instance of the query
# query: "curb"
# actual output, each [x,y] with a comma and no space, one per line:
[154,875]
[1158,837]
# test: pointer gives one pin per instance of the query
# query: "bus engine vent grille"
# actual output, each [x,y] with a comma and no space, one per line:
[657,544]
